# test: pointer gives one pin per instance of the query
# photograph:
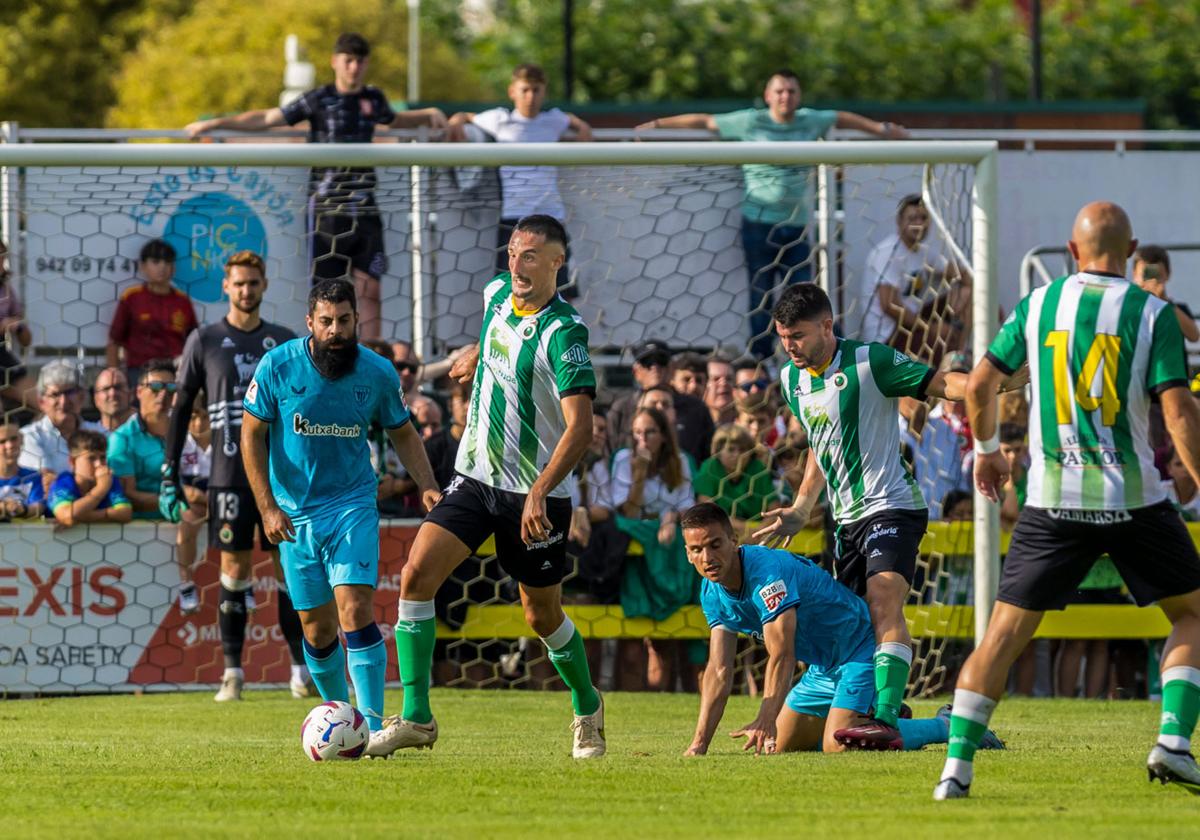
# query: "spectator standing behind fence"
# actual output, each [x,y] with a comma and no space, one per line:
[941,445]
[651,369]
[1016,452]
[344,226]
[778,199]
[14,379]
[135,451]
[22,495]
[651,486]
[60,398]
[86,492]
[195,467]
[153,319]
[718,395]
[111,397]
[734,478]
[920,297]
[689,375]
[526,190]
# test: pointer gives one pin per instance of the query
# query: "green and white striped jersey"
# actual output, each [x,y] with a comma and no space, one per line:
[1097,347]
[526,366]
[850,413]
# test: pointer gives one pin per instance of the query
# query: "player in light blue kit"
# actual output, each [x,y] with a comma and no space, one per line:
[802,614]
[310,405]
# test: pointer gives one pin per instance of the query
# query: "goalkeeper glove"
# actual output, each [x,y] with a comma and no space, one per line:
[171,501]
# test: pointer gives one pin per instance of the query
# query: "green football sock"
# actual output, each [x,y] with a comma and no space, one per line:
[565,648]
[1180,706]
[416,632]
[968,723]
[892,662]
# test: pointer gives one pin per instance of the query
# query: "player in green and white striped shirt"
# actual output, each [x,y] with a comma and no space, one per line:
[1098,349]
[529,422]
[845,395]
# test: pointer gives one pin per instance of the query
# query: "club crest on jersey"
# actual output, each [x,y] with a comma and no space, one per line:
[269,343]
[839,380]
[528,328]
[773,594]
[361,394]
[577,355]
[252,392]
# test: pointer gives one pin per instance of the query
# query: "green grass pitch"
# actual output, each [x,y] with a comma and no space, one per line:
[166,766]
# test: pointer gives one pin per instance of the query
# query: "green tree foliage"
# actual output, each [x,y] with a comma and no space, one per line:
[227,56]
[57,57]
[1126,49]
[654,50]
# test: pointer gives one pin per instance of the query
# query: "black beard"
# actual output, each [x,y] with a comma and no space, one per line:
[334,362]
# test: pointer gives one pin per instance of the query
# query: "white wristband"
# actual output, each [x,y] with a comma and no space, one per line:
[987,447]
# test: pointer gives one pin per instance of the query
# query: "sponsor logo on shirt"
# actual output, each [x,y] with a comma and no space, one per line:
[577,354]
[252,392]
[301,425]
[1090,457]
[773,594]
[900,359]
[246,364]
[1094,517]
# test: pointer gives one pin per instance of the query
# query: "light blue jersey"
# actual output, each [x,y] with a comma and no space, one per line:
[320,459]
[833,627]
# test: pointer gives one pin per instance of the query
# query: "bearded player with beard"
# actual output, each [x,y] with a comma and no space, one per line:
[304,438]
[219,360]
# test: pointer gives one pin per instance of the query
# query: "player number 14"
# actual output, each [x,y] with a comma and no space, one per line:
[1102,357]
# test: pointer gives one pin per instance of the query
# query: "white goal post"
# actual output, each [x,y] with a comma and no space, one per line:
[416,158]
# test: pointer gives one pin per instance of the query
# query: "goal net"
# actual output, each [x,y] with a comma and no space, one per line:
[658,251]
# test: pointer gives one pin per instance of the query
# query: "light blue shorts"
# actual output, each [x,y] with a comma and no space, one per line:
[337,550]
[850,686]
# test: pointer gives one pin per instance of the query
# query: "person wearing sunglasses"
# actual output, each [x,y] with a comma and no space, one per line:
[136,448]
[60,397]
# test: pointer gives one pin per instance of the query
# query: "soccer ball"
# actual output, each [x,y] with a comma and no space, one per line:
[334,731]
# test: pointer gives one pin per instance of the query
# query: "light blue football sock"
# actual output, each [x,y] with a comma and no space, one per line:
[368,668]
[327,666]
[918,733]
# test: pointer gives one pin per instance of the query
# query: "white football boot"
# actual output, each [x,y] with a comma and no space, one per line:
[231,689]
[1176,766]
[399,734]
[588,740]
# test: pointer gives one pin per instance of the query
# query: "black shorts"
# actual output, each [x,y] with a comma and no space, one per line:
[232,518]
[341,241]
[883,542]
[1052,551]
[473,511]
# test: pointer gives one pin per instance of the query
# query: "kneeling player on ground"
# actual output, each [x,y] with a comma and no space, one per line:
[311,404]
[845,395]
[529,422]
[1098,348]
[801,613]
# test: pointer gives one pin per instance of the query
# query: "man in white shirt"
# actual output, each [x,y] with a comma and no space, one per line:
[920,299]
[526,190]
[60,397]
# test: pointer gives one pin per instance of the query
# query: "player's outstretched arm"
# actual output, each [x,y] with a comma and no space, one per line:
[991,468]
[463,368]
[705,121]
[411,449]
[577,411]
[259,120]
[783,523]
[949,386]
[715,686]
[276,524]
[779,637]
[1181,415]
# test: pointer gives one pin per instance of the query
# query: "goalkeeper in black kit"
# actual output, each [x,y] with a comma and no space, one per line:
[220,360]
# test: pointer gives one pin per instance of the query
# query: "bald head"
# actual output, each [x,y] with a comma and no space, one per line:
[1102,234]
